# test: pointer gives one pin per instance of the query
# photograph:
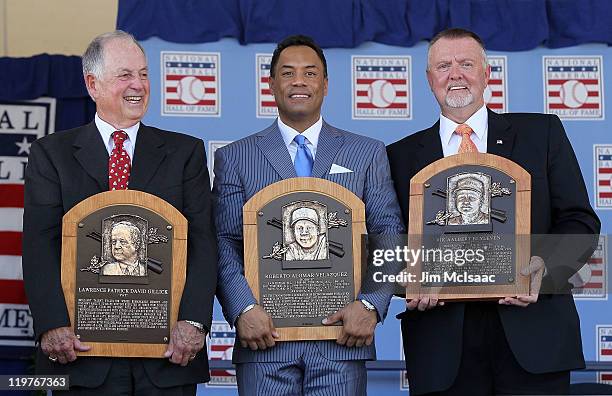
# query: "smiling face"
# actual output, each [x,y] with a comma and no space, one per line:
[123,246]
[457,76]
[122,91]
[305,232]
[298,86]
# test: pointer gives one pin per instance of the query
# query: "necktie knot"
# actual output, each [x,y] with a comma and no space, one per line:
[463,129]
[467,144]
[300,140]
[119,137]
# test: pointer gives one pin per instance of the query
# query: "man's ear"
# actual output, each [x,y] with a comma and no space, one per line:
[91,83]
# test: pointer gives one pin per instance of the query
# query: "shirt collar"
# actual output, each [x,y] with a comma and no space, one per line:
[106,130]
[311,134]
[478,122]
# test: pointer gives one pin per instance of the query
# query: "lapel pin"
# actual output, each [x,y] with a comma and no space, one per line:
[500,142]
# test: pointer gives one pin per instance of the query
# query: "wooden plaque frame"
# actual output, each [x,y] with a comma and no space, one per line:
[70,227]
[418,188]
[252,254]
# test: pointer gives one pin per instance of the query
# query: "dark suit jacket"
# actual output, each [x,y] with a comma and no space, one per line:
[67,167]
[545,336]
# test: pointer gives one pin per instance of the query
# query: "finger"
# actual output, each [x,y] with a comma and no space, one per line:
[244,344]
[252,345]
[71,355]
[411,304]
[517,302]
[343,338]
[272,328]
[369,340]
[536,282]
[177,355]
[360,342]
[423,303]
[432,303]
[528,299]
[350,342]
[261,344]
[61,358]
[269,340]
[333,318]
[80,347]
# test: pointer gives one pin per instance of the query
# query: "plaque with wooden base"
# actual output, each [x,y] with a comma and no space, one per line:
[470,222]
[302,253]
[124,258]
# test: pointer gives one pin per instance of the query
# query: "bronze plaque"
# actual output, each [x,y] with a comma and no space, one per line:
[469,218]
[305,265]
[121,287]
[123,281]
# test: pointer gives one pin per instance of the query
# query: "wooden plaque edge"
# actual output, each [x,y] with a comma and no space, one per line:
[251,251]
[522,179]
[179,259]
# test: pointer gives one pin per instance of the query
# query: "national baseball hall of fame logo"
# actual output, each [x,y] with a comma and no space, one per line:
[220,347]
[191,84]
[573,87]
[382,87]
[604,351]
[266,105]
[496,93]
[591,281]
[602,154]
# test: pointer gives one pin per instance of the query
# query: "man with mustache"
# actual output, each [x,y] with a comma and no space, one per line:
[299,144]
[519,344]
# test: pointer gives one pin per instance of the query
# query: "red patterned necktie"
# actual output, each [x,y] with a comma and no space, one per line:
[467,144]
[119,164]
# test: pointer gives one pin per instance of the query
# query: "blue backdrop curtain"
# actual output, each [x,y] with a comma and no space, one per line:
[504,25]
[55,76]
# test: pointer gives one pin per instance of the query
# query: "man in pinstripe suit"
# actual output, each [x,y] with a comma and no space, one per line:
[298,80]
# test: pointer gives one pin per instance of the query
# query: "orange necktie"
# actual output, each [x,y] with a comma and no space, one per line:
[467,145]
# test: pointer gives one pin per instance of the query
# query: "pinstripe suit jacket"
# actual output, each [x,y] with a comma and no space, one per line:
[252,163]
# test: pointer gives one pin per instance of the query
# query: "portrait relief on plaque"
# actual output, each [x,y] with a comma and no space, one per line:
[305,226]
[124,240]
[469,199]
[305,231]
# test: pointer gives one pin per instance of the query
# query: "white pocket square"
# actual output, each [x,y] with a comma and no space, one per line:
[335,168]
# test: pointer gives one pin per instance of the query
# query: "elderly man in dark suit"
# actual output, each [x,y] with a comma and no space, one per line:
[519,344]
[67,167]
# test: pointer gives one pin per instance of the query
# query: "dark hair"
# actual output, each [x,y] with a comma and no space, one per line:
[297,40]
[457,33]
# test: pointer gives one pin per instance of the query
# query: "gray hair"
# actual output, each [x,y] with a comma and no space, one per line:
[134,231]
[93,58]
[457,33]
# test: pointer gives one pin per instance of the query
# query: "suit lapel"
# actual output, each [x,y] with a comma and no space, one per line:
[431,147]
[148,155]
[500,138]
[90,151]
[273,147]
[330,141]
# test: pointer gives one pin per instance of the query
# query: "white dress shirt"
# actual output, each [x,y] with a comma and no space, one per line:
[479,122]
[106,131]
[311,134]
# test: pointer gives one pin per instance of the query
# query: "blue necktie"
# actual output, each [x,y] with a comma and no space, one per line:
[303,158]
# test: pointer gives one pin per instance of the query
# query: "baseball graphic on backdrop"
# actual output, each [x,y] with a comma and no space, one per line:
[190,90]
[381,93]
[573,93]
